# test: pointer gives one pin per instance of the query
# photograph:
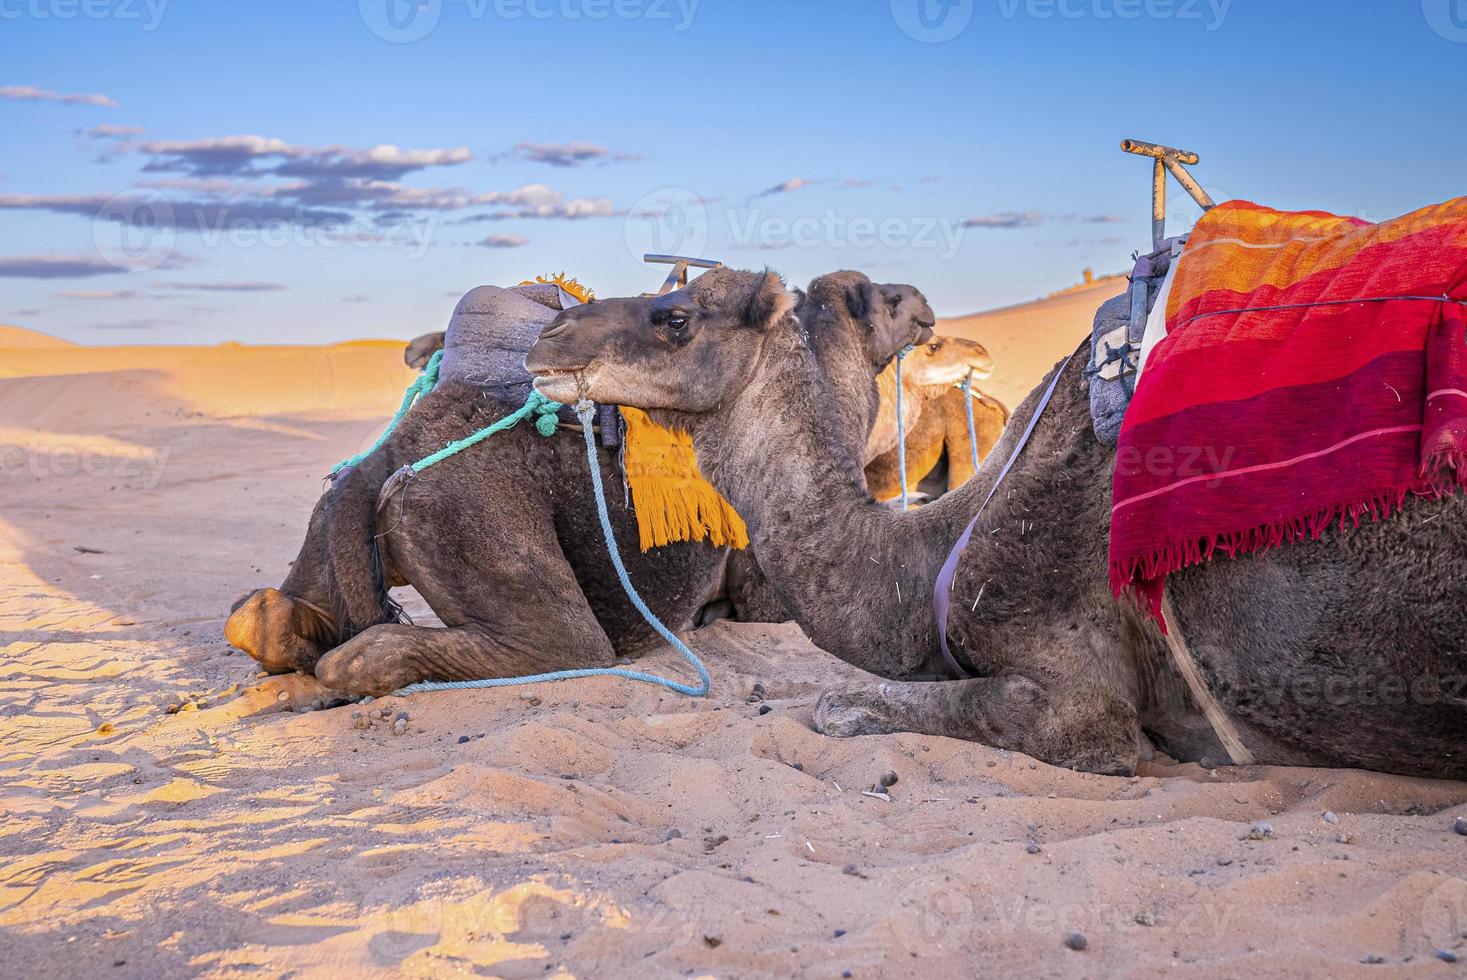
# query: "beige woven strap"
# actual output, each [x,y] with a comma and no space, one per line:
[1221,724]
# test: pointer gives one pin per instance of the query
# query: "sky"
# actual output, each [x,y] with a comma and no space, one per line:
[264,171]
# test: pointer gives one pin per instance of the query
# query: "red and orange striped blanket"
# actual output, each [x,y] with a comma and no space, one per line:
[1314,372]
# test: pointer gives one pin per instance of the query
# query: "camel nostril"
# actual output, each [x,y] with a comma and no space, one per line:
[555,329]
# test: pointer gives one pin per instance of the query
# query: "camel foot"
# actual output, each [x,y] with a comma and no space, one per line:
[376,663]
[270,626]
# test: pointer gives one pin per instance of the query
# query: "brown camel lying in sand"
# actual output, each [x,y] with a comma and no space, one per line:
[939,449]
[1069,673]
[503,542]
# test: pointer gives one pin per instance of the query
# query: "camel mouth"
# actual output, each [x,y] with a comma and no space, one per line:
[564,385]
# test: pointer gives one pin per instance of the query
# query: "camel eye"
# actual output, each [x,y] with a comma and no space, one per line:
[677,323]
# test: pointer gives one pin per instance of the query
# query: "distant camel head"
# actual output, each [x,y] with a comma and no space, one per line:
[421,350]
[944,361]
[688,350]
[890,315]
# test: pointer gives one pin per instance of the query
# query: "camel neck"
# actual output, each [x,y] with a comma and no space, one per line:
[858,576]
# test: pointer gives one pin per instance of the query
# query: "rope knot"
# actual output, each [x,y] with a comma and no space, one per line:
[545,412]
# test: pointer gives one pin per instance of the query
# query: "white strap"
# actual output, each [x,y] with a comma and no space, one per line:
[1221,724]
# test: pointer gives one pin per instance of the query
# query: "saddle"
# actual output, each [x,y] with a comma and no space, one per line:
[491,331]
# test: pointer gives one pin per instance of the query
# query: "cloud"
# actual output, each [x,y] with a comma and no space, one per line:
[225,287]
[249,155]
[1005,219]
[55,267]
[159,212]
[29,93]
[358,298]
[110,132]
[566,154]
[572,210]
[788,187]
[1103,219]
[392,196]
[136,323]
[100,294]
[504,241]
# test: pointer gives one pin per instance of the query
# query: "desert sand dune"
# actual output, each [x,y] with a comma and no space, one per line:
[590,828]
[1028,339]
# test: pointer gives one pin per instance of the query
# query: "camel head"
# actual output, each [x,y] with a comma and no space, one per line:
[891,315]
[686,351]
[943,361]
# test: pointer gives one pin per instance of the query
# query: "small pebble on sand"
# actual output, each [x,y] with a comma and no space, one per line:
[462,739]
[1033,848]
[764,709]
[1446,956]
[1330,816]
[282,696]
[1260,830]
[1146,918]
[889,779]
[1076,941]
[1461,826]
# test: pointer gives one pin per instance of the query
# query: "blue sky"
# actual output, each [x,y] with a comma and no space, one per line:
[307,172]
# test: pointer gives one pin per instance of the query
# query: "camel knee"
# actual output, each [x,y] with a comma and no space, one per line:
[275,630]
[375,662]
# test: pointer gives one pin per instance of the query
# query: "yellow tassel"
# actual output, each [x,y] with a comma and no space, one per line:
[672,500]
[583,293]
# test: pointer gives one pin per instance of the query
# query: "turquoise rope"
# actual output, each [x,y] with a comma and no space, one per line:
[585,411]
[537,405]
[967,387]
[902,423]
[424,384]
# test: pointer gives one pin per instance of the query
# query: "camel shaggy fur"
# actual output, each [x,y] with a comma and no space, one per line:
[1346,651]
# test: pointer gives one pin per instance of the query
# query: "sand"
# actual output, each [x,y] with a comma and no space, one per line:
[585,829]
[1027,340]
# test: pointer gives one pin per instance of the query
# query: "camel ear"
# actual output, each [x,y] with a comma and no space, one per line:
[859,300]
[771,303]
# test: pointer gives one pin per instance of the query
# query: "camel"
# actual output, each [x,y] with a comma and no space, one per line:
[1346,651]
[420,350]
[503,542]
[940,363]
[939,449]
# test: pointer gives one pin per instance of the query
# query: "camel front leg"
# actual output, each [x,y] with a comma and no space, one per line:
[391,656]
[1089,730]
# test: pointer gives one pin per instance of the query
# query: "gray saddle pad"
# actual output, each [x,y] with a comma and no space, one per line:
[491,331]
